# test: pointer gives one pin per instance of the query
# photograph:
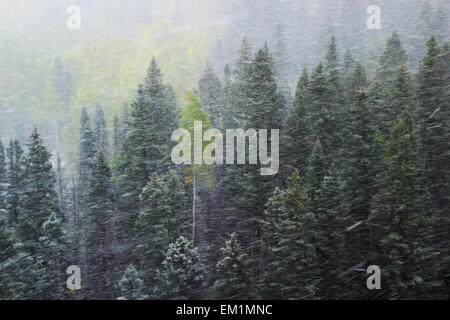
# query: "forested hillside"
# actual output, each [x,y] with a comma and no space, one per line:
[87,179]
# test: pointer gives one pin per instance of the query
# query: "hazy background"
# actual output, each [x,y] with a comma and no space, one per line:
[48,72]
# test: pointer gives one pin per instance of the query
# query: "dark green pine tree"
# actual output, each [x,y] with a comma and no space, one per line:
[320,118]
[15,166]
[290,236]
[332,219]
[391,59]
[241,83]
[53,259]
[249,190]
[163,218]
[232,281]
[147,147]
[152,236]
[181,274]
[101,132]
[16,273]
[334,113]
[434,117]
[211,97]
[264,110]
[295,140]
[100,232]
[401,95]
[178,220]
[86,153]
[125,125]
[131,287]
[348,63]
[360,169]
[227,99]
[3,180]
[38,198]
[400,220]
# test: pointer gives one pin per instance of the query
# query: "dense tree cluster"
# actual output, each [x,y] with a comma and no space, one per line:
[363,181]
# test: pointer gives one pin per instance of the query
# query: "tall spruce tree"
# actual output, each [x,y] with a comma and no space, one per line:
[241,83]
[290,235]
[295,139]
[38,198]
[86,153]
[391,59]
[434,118]
[101,131]
[16,272]
[399,209]
[210,96]
[146,149]
[360,169]
[152,236]
[100,232]
[53,258]
[331,218]
[249,190]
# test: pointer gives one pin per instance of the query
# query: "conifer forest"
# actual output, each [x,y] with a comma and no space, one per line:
[349,199]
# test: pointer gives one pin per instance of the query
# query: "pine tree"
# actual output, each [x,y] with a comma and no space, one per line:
[320,117]
[38,198]
[86,153]
[15,166]
[131,286]
[334,113]
[399,209]
[178,219]
[210,96]
[16,273]
[228,100]
[3,180]
[295,141]
[152,237]
[241,84]
[290,237]
[163,218]
[391,59]
[331,218]
[147,147]
[401,95]
[181,274]
[248,190]
[100,231]
[53,258]
[359,171]
[348,63]
[434,115]
[232,280]
[101,131]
